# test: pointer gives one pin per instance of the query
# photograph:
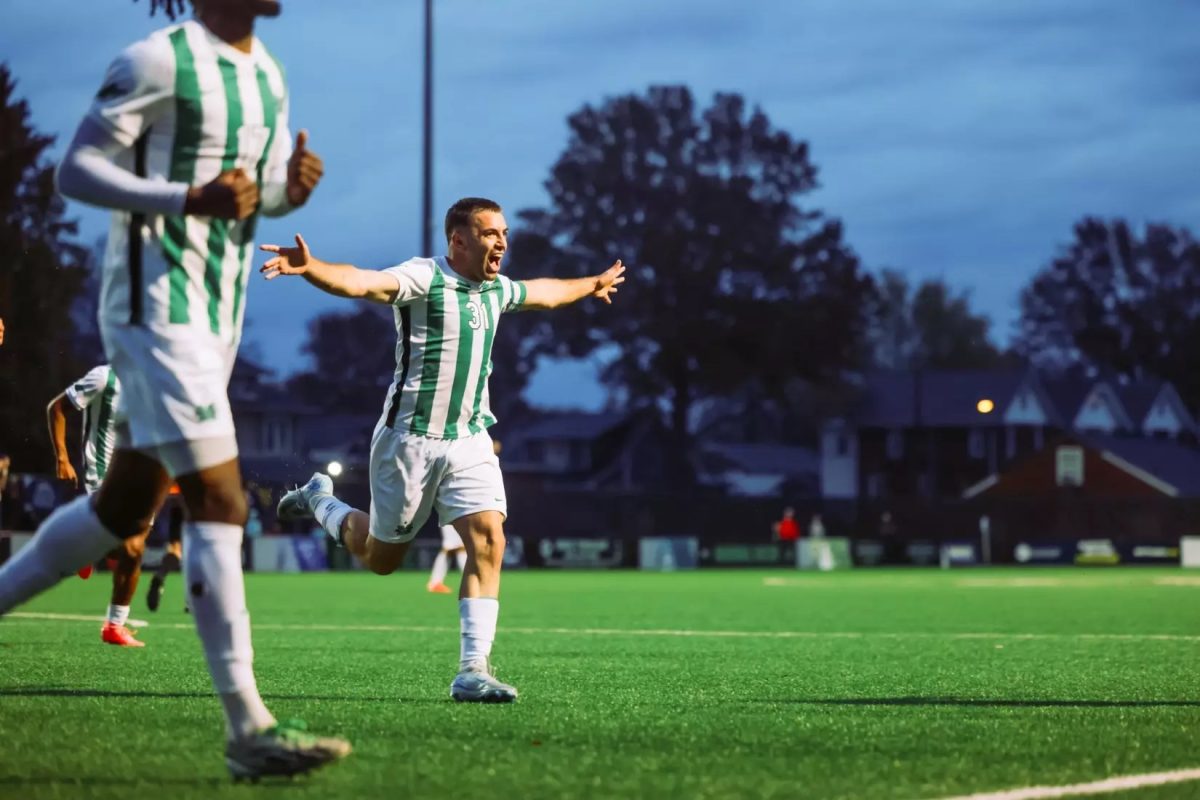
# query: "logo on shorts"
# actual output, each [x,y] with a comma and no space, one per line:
[206,413]
[404,529]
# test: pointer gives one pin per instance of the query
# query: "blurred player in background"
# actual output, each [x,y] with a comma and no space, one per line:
[172,559]
[431,448]
[187,141]
[452,545]
[96,395]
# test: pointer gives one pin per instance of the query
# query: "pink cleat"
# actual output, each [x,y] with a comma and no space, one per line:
[119,635]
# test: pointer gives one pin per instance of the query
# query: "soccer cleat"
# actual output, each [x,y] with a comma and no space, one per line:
[438,588]
[85,572]
[297,504]
[478,685]
[119,635]
[284,749]
[154,595]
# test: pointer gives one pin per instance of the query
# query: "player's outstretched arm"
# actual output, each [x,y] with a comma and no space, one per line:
[554,292]
[343,280]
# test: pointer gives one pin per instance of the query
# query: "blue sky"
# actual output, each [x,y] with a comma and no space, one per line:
[956,139]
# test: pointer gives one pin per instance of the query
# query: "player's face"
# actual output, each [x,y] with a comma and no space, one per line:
[484,245]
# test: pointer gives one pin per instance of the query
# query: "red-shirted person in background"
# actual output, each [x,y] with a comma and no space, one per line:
[787,529]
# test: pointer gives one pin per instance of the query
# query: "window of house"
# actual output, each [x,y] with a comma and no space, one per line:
[841,444]
[275,437]
[875,485]
[894,445]
[976,443]
[1068,465]
[1010,442]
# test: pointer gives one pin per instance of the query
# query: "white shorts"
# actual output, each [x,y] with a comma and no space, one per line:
[174,392]
[412,475]
[450,538]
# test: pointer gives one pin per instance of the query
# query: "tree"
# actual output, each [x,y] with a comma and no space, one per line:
[41,273]
[731,282]
[1116,300]
[931,328]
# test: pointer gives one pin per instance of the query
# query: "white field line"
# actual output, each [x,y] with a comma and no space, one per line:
[133,623]
[1119,784]
[18,616]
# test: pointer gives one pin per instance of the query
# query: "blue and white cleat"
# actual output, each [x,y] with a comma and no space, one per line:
[478,685]
[298,503]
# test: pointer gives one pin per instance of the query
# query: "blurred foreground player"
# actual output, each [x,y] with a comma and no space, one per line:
[187,141]
[452,545]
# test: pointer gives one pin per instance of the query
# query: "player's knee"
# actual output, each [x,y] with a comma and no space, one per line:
[381,568]
[219,503]
[133,548]
[121,514]
[489,543]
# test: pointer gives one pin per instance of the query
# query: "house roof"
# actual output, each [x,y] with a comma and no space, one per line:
[935,398]
[572,425]
[765,459]
[1138,398]
[1170,461]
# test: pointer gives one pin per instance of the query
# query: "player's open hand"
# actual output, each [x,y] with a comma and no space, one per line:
[287,260]
[608,281]
[305,169]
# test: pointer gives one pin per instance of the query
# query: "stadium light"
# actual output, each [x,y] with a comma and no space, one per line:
[334,469]
[985,406]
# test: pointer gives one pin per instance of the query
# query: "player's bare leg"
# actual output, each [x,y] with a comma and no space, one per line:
[83,530]
[257,745]
[172,559]
[349,527]
[479,609]
[128,569]
[441,567]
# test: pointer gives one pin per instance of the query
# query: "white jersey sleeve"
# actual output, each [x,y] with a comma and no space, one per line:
[512,294]
[83,391]
[138,89]
[415,278]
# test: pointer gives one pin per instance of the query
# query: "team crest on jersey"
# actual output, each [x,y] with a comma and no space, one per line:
[206,413]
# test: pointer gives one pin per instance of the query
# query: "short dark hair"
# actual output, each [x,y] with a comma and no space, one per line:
[460,213]
[173,8]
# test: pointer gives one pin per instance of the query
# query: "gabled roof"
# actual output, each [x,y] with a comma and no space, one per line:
[1169,461]
[1138,398]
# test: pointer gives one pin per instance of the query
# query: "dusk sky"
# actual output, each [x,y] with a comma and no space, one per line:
[955,138]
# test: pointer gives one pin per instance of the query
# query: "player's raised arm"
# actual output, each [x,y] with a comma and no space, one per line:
[343,280]
[555,292]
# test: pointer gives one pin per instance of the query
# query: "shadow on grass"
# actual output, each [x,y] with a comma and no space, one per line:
[85,781]
[987,703]
[54,691]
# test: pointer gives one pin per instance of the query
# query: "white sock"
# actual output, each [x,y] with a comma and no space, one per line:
[477,616]
[331,513]
[441,565]
[118,615]
[460,558]
[69,538]
[212,568]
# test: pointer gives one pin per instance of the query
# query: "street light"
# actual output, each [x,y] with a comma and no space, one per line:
[334,469]
[985,406]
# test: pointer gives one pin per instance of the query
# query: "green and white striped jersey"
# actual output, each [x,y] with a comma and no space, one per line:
[445,326]
[96,394]
[188,106]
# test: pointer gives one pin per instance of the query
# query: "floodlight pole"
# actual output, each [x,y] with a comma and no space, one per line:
[427,148]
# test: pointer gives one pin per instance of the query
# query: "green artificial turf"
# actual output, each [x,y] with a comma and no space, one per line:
[887,683]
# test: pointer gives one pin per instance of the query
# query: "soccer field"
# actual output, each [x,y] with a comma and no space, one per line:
[703,684]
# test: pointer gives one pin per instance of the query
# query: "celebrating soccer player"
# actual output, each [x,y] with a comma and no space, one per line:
[431,450]
[187,141]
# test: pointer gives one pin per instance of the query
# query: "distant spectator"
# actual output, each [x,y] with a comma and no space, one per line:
[887,526]
[816,528]
[787,529]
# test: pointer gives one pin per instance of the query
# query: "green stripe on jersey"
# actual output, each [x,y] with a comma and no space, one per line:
[519,286]
[103,423]
[431,356]
[218,229]
[462,359]
[270,109]
[485,363]
[189,121]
